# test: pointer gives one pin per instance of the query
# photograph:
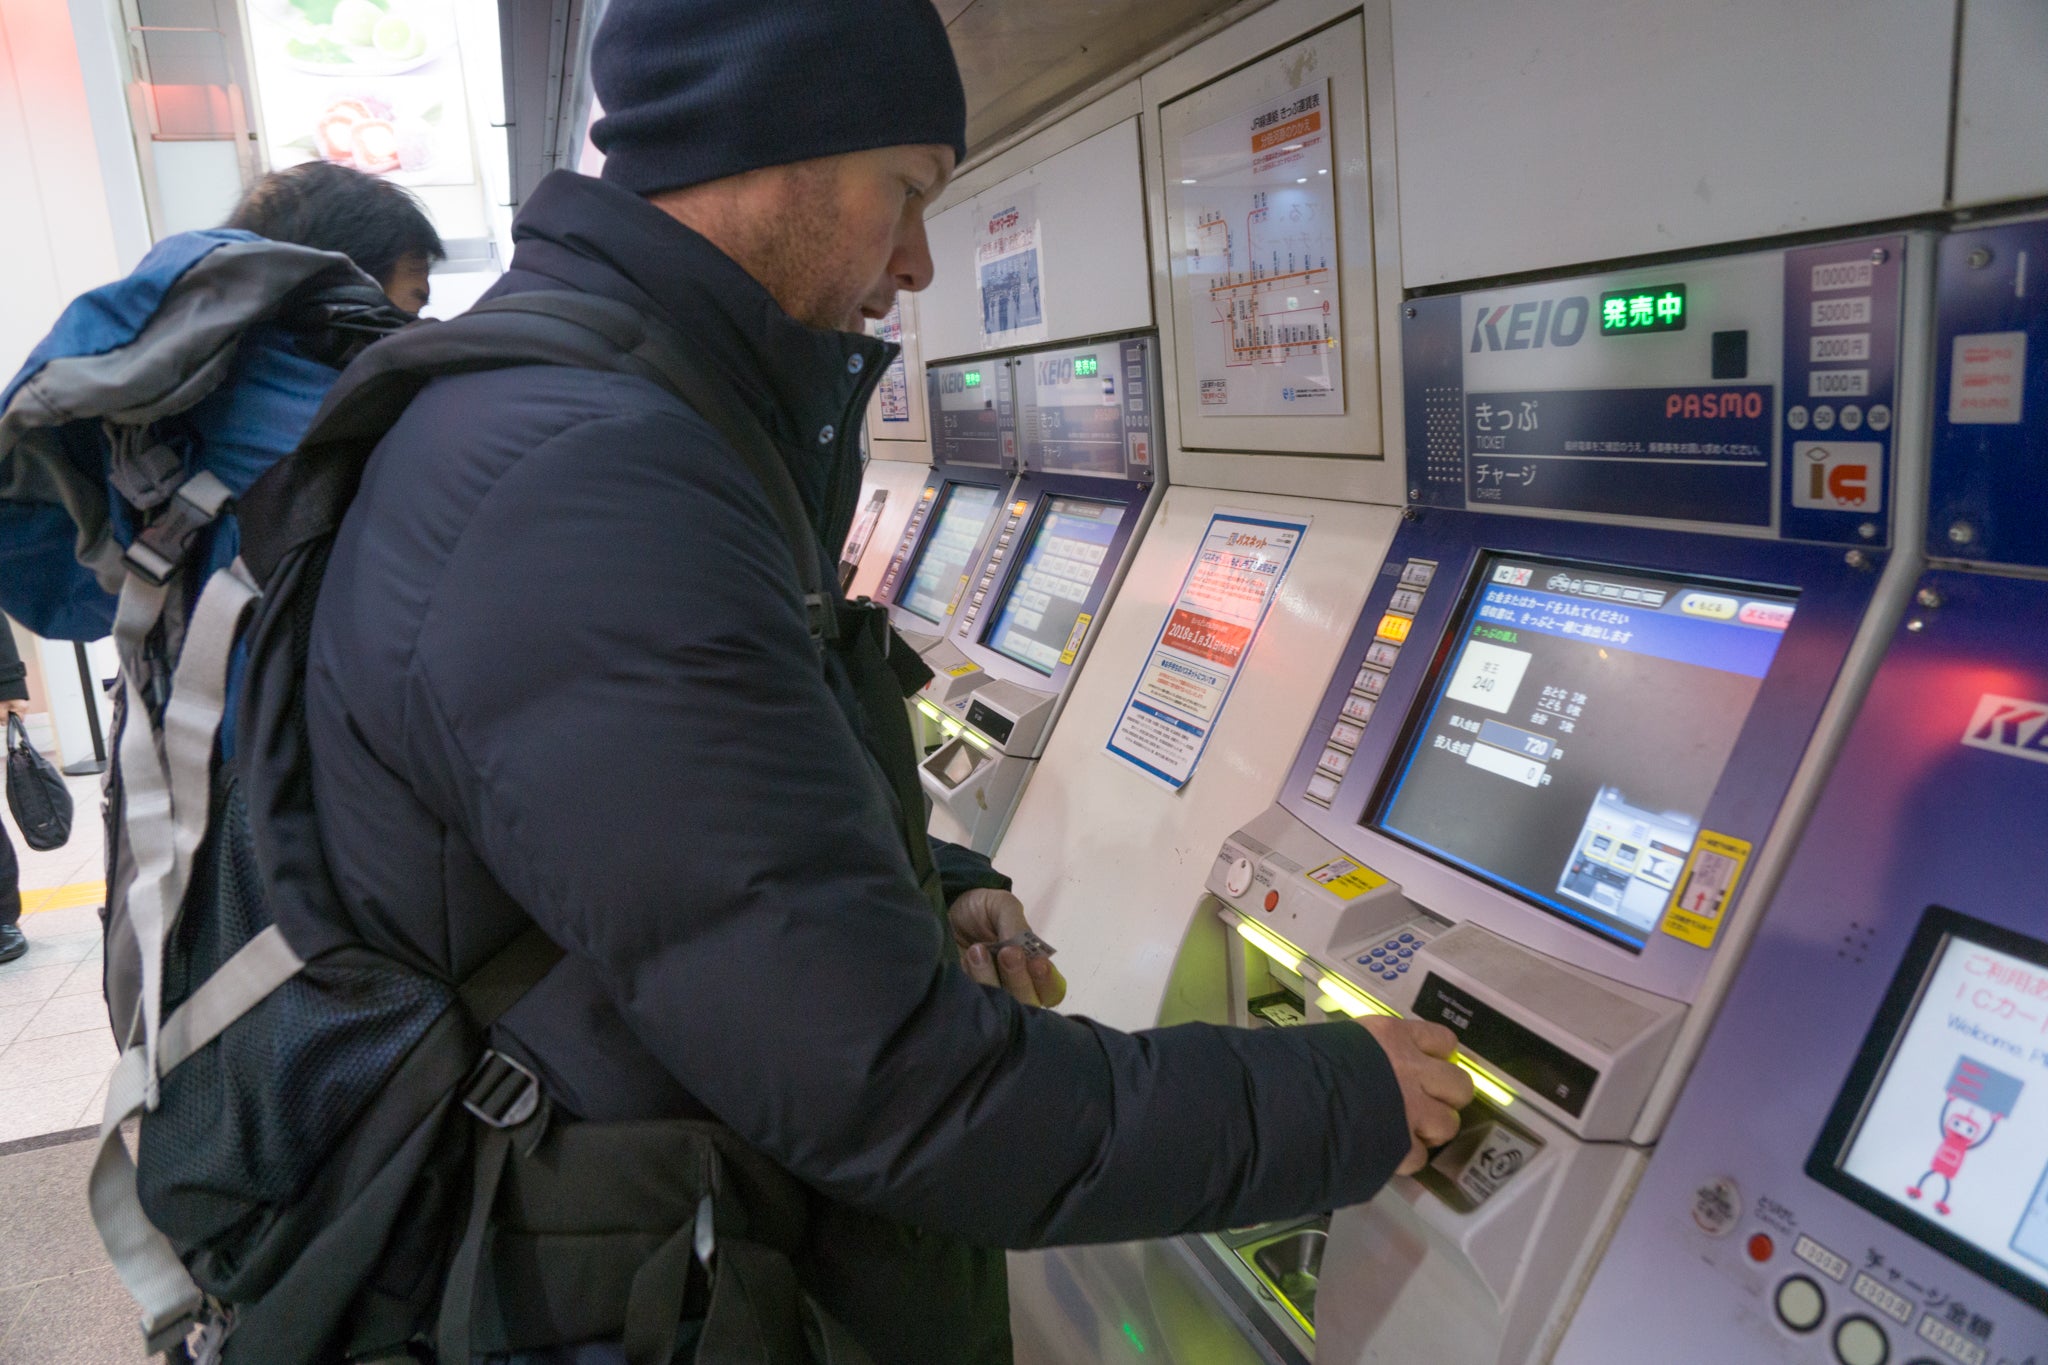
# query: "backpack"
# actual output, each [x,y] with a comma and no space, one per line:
[315,1116]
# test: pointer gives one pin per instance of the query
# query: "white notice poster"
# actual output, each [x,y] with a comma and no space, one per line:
[1259,259]
[1179,697]
[1006,270]
[892,396]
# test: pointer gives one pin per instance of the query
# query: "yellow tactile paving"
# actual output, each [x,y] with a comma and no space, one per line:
[63,897]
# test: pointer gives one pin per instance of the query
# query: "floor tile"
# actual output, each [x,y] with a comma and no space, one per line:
[12,1300]
[45,1107]
[86,979]
[82,1319]
[76,919]
[95,1108]
[33,1061]
[66,1014]
[46,1227]
[14,1019]
[30,983]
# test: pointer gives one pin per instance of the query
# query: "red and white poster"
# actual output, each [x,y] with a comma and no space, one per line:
[1194,664]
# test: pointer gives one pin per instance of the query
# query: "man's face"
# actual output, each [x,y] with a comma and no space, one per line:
[832,239]
[407,285]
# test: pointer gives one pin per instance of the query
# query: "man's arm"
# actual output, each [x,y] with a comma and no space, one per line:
[617,679]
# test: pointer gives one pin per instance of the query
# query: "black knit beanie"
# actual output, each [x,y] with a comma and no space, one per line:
[698,89]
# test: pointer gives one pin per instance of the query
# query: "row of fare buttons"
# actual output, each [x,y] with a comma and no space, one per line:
[1366,689]
[995,561]
[1802,1306]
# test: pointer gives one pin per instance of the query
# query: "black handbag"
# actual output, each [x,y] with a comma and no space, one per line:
[36,792]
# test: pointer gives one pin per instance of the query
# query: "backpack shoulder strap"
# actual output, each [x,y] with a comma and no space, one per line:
[304,497]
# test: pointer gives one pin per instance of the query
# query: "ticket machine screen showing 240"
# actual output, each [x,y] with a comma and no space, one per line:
[1578,728]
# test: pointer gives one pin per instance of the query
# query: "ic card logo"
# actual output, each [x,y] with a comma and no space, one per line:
[1512,575]
[1531,325]
[1838,476]
[2009,726]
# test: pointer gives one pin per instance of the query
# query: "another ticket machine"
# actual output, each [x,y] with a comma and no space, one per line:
[1857,1171]
[1021,625]
[1615,641]
[974,462]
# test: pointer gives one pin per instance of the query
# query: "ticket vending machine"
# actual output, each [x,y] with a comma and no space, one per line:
[974,462]
[1857,1170]
[1087,422]
[1612,645]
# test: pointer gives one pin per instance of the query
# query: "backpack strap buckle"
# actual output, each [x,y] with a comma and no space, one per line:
[821,614]
[500,1092]
[160,549]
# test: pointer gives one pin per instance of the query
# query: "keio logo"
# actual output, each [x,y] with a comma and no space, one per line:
[2010,726]
[1530,325]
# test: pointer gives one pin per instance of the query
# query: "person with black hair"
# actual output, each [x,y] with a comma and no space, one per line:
[373,222]
[13,701]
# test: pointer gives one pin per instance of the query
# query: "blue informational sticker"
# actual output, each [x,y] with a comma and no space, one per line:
[1174,705]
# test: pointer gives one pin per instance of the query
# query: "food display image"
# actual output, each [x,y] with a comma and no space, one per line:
[371,84]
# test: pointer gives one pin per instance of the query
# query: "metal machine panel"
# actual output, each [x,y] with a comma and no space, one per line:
[1662,127]
[903,481]
[1990,458]
[1428,581]
[1754,393]
[2001,102]
[1090,207]
[1899,978]
[1119,920]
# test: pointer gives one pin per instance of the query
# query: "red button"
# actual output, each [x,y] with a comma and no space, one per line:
[1272,901]
[1761,1246]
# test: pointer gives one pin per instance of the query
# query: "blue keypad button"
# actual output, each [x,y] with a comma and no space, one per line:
[1407,952]
[1392,944]
[1390,976]
[1377,952]
[1403,967]
[1365,961]
[1407,938]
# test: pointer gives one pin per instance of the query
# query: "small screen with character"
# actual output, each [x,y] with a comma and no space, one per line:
[1577,728]
[1943,1129]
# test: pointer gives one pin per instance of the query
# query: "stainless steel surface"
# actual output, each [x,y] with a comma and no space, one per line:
[1290,1266]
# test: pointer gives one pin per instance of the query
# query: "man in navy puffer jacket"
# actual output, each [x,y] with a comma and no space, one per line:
[561,671]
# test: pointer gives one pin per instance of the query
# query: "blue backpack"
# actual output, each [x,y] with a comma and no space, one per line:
[156,397]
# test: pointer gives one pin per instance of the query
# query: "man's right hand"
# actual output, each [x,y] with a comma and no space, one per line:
[1432,1089]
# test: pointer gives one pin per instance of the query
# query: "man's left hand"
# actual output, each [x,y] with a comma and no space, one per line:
[983,916]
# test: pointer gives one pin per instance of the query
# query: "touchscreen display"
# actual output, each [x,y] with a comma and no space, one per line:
[942,559]
[1579,724]
[1944,1131]
[1041,618]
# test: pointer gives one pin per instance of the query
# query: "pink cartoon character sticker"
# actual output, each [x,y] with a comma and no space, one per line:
[1978,1097]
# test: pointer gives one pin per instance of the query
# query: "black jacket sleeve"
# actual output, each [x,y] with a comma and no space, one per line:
[13,672]
[962,870]
[616,683]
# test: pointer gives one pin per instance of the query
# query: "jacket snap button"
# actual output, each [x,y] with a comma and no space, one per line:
[825,436]
[855,363]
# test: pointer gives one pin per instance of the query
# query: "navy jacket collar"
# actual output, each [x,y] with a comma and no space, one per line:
[804,384]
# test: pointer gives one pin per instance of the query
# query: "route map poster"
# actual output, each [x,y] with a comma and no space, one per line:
[1260,259]
[1193,666]
[892,396]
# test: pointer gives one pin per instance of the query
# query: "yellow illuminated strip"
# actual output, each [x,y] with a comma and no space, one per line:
[1269,945]
[937,716]
[1483,1081]
[1355,1003]
[1358,1005]
[976,740]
